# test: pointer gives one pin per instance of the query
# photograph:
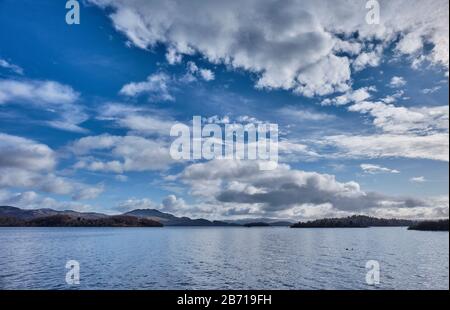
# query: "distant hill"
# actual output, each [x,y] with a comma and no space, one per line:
[171,220]
[257,224]
[62,220]
[441,225]
[12,216]
[355,221]
[16,217]
[28,214]
[272,222]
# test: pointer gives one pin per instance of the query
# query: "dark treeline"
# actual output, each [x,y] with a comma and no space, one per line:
[69,221]
[441,225]
[355,221]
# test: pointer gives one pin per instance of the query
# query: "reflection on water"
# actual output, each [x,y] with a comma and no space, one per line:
[222,258]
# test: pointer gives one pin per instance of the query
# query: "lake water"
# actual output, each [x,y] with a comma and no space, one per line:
[222,258]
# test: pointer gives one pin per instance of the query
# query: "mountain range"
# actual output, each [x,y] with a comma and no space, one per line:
[16,217]
[13,216]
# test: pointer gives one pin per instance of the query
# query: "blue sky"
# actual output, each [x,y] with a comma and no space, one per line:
[362,109]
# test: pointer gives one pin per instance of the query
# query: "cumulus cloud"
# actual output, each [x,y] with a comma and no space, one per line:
[18,152]
[39,92]
[394,119]
[407,132]
[193,71]
[25,163]
[290,44]
[394,97]
[174,204]
[11,177]
[46,182]
[121,153]
[368,59]
[284,191]
[416,132]
[139,121]
[53,97]
[173,57]
[157,87]
[329,75]
[351,96]
[397,81]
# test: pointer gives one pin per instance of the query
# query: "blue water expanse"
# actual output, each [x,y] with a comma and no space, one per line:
[222,258]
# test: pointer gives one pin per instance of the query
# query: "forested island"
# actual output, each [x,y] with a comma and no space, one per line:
[355,221]
[441,225]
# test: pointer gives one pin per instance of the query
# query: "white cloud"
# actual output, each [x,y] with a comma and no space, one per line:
[171,204]
[368,59]
[393,119]
[146,124]
[193,71]
[351,96]
[290,45]
[7,65]
[121,153]
[138,120]
[215,119]
[26,154]
[173,57]
[397,81]
[304,115]
[420,179]
[88,192]
[207,74]
[133,204]
[374,169]
[434,146]
[329,75]
[47,182]
[51,96]
[39,92]
[353,48]
[121,178]
[411,43]
[394,97]
[431,90]
[25,163]
[239,187]
[32,200]
[293,151]
[157,86]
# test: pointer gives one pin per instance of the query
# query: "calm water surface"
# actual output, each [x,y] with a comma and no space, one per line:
[222,258]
